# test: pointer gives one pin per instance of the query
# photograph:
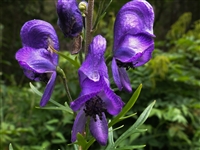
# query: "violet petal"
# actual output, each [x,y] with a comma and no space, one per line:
[79,124]
[80,101]
[125,80]
[40,34]
[99,129]
[33,59]
[116,76]
[133,47]
[94,66]
[48,90]
[146,56]
[113,103]
[134,17]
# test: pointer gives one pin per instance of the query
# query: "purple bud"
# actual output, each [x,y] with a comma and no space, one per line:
[69,17]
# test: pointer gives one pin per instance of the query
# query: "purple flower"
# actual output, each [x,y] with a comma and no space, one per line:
[35,58]
[133,40]
[69,17]
[96,97]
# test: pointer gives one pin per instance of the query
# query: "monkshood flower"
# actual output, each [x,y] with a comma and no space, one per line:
[133,40]
[69,18]
[35,57]
[96,96]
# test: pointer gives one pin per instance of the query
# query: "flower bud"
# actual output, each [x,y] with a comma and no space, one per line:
[83,7]
[69,18]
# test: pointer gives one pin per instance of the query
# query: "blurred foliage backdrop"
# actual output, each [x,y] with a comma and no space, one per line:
[172,78]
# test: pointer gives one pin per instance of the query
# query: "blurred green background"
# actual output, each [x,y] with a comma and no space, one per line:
[172,78]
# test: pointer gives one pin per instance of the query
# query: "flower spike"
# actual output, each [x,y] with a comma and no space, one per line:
[96,96]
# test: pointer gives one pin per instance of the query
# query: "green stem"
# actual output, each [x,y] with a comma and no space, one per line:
[62,74]
[81,56]
[88,25]
[90,142]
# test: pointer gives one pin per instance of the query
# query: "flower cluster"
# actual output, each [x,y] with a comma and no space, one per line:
[133,46]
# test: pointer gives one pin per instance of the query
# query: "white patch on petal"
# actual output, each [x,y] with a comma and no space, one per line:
[94,76]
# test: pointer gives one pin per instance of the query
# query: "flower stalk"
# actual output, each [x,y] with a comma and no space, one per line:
[88,25]
[63,76]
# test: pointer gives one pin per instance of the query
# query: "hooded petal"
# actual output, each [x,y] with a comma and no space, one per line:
[133,39]
[70,19]
[133,47]
[48,90]
[88,86]
[99,129]
[134,17]
[35,60]
[94,66]
[79,124]
[146,56]
[40,34]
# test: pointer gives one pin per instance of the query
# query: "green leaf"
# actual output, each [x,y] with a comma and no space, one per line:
[60,107]
[81,141]
[126,117]
[52,121]
[10,147]
[130,147]
[101,12]
[53,108]
[134,128]
[72,61]
[60,135]
[110,136]
[127,107]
